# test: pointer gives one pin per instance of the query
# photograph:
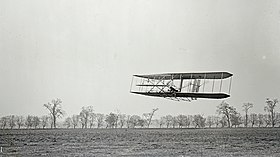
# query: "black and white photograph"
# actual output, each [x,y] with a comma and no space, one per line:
[142,78]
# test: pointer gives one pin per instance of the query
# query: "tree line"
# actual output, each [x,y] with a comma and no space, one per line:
[227,116]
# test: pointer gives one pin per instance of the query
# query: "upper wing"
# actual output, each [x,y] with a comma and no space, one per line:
[201,75]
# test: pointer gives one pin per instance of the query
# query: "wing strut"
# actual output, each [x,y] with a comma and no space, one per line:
[181,83]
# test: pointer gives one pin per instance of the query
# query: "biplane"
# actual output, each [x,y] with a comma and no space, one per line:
[183,86]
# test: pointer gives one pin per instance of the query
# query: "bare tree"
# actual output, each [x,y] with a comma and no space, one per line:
[19,121]
[260,120]
[145,118]
[68,122]
[188,120]
[161,121]
[100,119]
[85,114]
[75,120]
[4,122]
[111,120]
[253,118]
[35,121]
[28,121]
[210,121]
[12,121]
[174,121]
[82,121]
[128,121]
[267,120]
[199,121]
[236,119]
[118,113]
[141,122]
[44,121]
[148,116]
[168,120]
[270,108]
[223,121]
[246,107]
[134,121]
[226,110]
[216,121]
[181,119]
[122,120]
[55,110]
[277,119]
[92,119]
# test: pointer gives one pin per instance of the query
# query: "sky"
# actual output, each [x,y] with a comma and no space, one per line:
[85,52]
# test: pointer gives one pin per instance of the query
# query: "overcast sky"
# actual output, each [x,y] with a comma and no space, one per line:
[85,52]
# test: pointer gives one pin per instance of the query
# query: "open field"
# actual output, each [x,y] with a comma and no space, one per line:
[141,142]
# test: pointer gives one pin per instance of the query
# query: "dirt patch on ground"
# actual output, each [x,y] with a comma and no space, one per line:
[141,142]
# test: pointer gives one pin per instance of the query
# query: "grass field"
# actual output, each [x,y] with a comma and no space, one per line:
[141,142]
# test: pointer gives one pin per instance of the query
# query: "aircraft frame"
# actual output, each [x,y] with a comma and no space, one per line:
[182,86]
